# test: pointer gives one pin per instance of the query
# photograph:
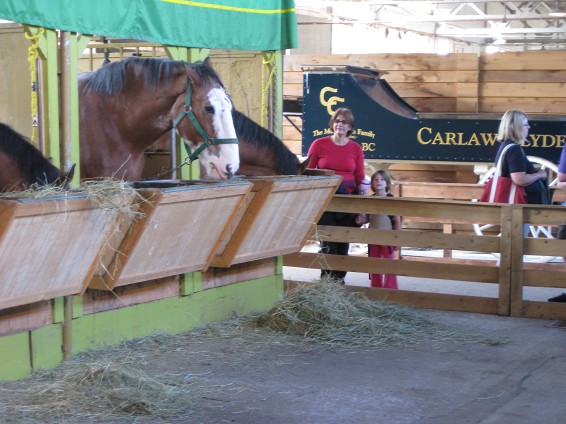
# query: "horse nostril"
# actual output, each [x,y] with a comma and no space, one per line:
[229,172]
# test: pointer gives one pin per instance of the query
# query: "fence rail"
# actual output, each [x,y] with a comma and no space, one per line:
[511,272]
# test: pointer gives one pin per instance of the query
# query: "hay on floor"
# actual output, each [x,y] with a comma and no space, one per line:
[328,313]
[83,390]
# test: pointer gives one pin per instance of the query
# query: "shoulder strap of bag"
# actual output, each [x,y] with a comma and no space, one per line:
[496,176]
[500,161]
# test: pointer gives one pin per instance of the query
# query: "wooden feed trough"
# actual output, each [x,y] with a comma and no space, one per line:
[280,215]
[50,247]
[181,228]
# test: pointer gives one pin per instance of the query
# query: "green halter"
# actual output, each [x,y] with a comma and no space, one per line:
[208,140]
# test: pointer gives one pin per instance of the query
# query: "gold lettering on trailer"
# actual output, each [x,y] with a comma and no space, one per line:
[318,133]
[368,147]
[489,139]
[426,135]
[545,141]
[427,131]
[474,140]
[332,101]
[361,132]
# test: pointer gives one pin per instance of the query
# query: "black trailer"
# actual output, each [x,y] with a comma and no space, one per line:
[389,129]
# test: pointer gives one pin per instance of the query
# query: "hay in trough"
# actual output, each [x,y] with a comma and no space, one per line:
[107,193]
[114,195]
[36,191]
[328,313]
[84,390]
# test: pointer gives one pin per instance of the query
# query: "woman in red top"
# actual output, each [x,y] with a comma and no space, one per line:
[338,152]
[346,158]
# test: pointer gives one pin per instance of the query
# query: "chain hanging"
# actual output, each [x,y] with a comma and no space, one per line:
[32,58]
[268,60]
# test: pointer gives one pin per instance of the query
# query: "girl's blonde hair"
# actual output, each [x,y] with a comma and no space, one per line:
[386,177]
[511,126]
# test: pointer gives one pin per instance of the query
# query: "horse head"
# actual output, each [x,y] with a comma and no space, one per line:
[22,165]
[204,120]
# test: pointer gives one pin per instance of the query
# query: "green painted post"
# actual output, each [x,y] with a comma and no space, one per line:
[48,51]
[45,346]
[277,114]
[191,283]
[15,354]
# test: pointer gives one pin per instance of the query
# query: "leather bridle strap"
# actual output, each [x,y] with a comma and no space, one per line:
[207,140]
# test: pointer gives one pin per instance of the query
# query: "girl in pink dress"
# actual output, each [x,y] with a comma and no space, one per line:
[381,186]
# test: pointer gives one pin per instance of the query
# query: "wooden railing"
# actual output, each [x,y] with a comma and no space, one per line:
[511,273]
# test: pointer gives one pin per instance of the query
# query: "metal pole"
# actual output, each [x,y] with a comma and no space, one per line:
[66,158]
[65,102]
[67,327]
[173,150]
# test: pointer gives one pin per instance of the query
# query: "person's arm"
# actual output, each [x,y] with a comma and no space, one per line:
[397,226]
[313,155]
[524,179]
[561,183]
[517,163]
[360,173]
[396,222]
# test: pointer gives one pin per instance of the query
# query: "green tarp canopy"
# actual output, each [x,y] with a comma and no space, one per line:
[223,24]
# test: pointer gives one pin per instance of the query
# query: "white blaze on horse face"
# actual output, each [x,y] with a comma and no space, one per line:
[224,160]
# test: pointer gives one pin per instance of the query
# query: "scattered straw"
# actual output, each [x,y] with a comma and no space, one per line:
[328,313]
[133,382]
[84,390]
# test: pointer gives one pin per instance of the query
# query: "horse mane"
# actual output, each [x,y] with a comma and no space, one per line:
[35,167]
[112,78]
[254,134]
[206,73]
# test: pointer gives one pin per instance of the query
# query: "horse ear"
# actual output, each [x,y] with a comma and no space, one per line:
[68,177]
[303,166]
[207,62]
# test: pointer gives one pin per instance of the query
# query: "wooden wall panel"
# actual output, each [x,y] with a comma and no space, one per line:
[523,61]
[550,105]
[15,80]
[217,277]
[25,317]
[101,300]
[525,76]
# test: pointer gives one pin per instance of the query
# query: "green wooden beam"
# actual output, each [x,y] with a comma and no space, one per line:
[277,112]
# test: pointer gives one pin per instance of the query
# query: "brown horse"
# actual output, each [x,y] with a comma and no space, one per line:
[261,152]
[125,106]
[22,165]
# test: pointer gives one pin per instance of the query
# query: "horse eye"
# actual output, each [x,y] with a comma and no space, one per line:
[209,109]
